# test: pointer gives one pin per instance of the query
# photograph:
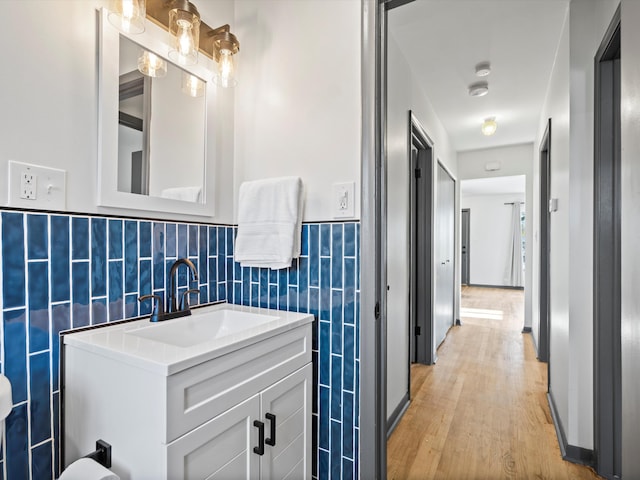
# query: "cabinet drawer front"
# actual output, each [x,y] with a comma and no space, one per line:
[202,392]
[220,449]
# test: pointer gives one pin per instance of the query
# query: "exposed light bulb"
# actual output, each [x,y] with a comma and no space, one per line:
[128,15]
[185,26]
[226,70]
[489,126]
[184,41]
[152,65]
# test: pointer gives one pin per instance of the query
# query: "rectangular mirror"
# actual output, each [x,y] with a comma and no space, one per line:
[152,130]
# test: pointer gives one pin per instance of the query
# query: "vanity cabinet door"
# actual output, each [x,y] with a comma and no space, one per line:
[286,411]
[220,449]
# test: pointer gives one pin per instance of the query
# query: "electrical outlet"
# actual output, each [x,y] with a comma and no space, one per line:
[34,186]
[28,185]
[344,198]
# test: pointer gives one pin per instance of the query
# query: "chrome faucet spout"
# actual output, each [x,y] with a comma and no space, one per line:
[173,274]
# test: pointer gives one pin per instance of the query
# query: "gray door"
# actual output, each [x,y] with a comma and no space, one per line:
[444,243]
[466,222]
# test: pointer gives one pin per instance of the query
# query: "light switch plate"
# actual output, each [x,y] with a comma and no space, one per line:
[344,200]
[34,186]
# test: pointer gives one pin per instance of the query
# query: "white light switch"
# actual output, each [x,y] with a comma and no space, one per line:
[344,199]
[34,186]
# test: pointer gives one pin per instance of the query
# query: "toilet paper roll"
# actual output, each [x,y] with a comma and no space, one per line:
[87,469]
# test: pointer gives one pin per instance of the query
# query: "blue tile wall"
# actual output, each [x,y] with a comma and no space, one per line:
[66,271]
[323,281]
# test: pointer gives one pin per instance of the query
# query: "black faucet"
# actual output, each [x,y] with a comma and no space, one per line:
[158,314]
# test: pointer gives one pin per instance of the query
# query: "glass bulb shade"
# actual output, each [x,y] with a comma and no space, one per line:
[192,85]
[489,126]
[151,65]
[185,27]
[128,15]
[225,76]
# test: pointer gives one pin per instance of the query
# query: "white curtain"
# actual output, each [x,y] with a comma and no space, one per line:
[514,263]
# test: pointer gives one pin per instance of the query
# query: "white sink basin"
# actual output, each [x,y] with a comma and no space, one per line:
[200,328]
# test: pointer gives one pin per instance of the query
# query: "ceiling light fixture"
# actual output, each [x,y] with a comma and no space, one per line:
[127,15]
[479,89]
[225,46]
[489,126]
[184,25]
[483,69]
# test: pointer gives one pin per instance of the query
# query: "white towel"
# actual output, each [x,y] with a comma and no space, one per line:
[186,194]
[269,222]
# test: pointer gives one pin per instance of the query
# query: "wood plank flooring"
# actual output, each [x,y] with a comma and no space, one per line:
[481,412]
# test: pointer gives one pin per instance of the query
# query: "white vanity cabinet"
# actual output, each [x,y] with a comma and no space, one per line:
[174,415]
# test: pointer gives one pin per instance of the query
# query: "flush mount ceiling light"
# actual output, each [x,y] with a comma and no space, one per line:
[184,25]
[127,15]
[483,69]
[479,89]
[225,46]
[489,126]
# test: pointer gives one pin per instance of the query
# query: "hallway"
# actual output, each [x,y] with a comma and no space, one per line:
[481,412]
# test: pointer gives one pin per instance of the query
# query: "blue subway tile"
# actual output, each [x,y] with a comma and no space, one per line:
[323,465]
[193,240]
[349,292]
[172,240]
[38,307]
[183,240]
[273,296]
[145,277]
[304,240]
[13,262]
[255,274]
[131,305]
[325,352]
[80,295]
[255,294]
[349,357]
[336,258]
[357,324]
[213,279]
[213,241]
[356,449]
[80,238]
[40,401]
[60,320]
[158,256]
[145,239]
[347,469]
[15,352]
[349,239]
[283,289]
[203,273]
[264,288]
[325,240]
[336,387]
[42,461]
[98,257]
[293,299]
[273,276]
[246,286]
[237,271]
[323,417]
[99,312]
[222,250]
[303,285]
[336,449]
[314,298]
[357,400]
[17,458]
[324,312]
[314,255]
[116,294]
[336,321]
[237,293]
[228,262]
[293,272]
[37,237]
[230,236]
[60,257]
[115,239]
[347,424]
[131,256]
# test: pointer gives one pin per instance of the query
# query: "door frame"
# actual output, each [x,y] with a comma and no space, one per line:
[544,333]
[465,245]
[607,371]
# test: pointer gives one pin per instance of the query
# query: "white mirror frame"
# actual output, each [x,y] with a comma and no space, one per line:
[157,40]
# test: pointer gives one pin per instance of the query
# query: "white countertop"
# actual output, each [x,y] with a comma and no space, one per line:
[113,340]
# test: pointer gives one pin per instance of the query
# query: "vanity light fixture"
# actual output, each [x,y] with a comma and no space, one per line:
[225,46]
[192,85]
[184,25]
[489,126]
[151,65]
[128,15]
[479,89]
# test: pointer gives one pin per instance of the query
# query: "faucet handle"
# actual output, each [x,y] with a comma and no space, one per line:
[184,301]
[157,306]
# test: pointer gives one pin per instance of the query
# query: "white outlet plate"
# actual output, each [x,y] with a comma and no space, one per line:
[46,191]
[344,200]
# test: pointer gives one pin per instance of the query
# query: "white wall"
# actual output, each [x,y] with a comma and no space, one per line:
[489,236]
[569,104]
[514,160]
[404,94]
[50,101]
[298,98]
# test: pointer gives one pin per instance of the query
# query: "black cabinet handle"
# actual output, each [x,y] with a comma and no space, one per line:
[260,448]
[272,434]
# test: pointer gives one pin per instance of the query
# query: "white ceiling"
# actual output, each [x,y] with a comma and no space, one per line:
[443,40]
[493,186]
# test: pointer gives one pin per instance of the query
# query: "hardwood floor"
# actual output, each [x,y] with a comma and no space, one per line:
[481,412]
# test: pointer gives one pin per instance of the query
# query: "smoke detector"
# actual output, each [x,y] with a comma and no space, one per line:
[479,89]
[483,69]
